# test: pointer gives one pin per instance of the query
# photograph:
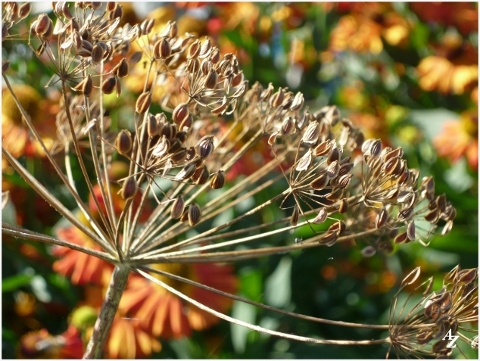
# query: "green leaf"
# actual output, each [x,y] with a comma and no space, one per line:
[15,282]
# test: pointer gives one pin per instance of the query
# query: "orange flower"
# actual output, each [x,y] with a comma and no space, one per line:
[40,344]
[167,315]
[459,138]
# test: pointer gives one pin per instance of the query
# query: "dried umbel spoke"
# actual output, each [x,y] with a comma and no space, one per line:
[426,327]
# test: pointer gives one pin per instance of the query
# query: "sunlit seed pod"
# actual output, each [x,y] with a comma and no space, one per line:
[338,227]
[85,86]
[441,202]
[58,8]
[182,136]
[368,251]
[178,207]
[108,85]
[143,102]
[124,142]
[87,45]
[194,214]
[118,12]
[184,216]
[395,153]
[129,188]
[168,131]
[84,53]
[320,182]
[266,93]
[467,275]
[297,102]
[343,138]
[66,11]
[121,69]
[218,180]
[287,125]
[161,148]
[206,47]
[162,49]
[222,107]
[304,162]
[42,24]
[381,218]
[97,54]
[332,169]
[201,175]
[303,120]
[447,228]
[272,138]
[450,213]
[215,55]
[411,234]
[392,166]
[321,216]
[343,181]
[187,123]
[329,239]
[73,25]
[111,5]
[295,215]
[24,10]
[311,134]
[428,184]
[335,194]
[175,145]
[432,216]
[277,99]
[405,214]
[152,126]
[194,49]
[237,79]
[186,172]
[401,238]
[332,115]
[323,148]
[205,146]
[136,57]
[180,113]
[211,79]
[345,169]
[343,206]
[77,41]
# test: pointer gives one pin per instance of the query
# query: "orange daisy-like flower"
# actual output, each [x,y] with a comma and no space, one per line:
[363,29]
[40,344]
[459,139]
[453,69]
[167,315]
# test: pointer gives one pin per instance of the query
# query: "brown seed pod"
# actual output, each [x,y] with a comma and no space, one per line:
[311,134]
[153,128]
[24,10]
[186,172]
[204,146]
[118,12]
[218,180]
[381,218]
[43,24]
[201,175]
[180,113]
[179,156]
[343,206]
[297,102]
[295,215]
[194,49]
[177,208]
[320,182]
[161,148]
[321,216]
[129,188]
[85,86]
[121,69]
[143,102]
[162,49]
[323,148]
[401,238]
[111,5]
[124,142]
[411,231]
[194,214]
[304,162]
[97,54]
[108,85]
[211,79]
[329,239]
[338,227]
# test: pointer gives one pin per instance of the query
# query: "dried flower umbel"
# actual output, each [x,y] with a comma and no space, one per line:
[336,183]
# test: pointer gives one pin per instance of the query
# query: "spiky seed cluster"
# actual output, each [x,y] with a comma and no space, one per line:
[420,330]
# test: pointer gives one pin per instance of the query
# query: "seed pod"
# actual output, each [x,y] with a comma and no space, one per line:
[162,49]
[218,180]
[323,148]
[447,227]
[177,209]
[205,48]
[332,170]
[295,215]
[467,275]
[287,125]
[320,182]
[201,175]
[118,12]
[152,126]
[404,214]
[297,102]
[343,181]
[311,134]
[205,146]
[161,148]
[24,10]
[43,24]
[124,142]
[277,99]
[180,113]
[411,231]
[85,86]
[186,172]
[401,238]
[182,136]
[432,216]
[343,206]
[237,79]
[194,49]
[329,239]
[321,216]
[111,5]
[97,54]
[108,85]
[381,218]
[338,227]
[194,214]
[368,251]
[179,156]
[121,69]
[143,102]
[129,188]
[211,79]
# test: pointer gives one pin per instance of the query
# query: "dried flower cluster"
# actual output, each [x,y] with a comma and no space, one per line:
[195,119]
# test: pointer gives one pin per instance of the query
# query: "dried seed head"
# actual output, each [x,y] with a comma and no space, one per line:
[194,214]
[108,85]
[372,147]
[218,180]
[143,102]
[129,188]
[178,207]
[124,142]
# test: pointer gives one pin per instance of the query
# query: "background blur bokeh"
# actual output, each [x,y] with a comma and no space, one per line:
[405,72]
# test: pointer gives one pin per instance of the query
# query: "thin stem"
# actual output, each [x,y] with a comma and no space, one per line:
[109,308]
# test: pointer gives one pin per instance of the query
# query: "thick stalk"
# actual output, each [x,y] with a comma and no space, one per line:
[107,312]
